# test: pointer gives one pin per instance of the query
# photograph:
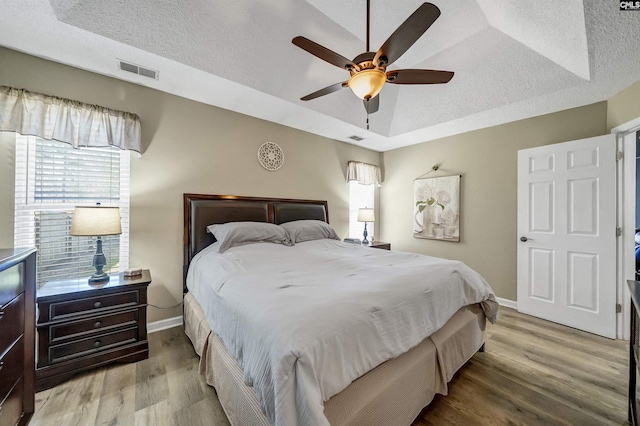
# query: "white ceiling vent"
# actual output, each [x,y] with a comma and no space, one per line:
[356,138]
[137,69]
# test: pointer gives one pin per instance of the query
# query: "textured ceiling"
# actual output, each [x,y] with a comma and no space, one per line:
[512,59]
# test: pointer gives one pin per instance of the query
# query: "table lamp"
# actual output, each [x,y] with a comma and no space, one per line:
[96,221]
[366,215]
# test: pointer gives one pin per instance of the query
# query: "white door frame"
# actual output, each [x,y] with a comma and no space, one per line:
[626,175]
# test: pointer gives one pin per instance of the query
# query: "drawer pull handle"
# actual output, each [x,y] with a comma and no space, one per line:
[97,304]
[1,365]
[96,343]
[1,314]
[97,324]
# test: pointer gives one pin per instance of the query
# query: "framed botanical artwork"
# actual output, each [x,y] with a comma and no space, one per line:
[437,208]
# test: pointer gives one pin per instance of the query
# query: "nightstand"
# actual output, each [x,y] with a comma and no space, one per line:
[82,326]
[380,245]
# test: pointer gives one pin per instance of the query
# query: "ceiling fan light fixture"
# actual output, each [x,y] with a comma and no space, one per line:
[366,84]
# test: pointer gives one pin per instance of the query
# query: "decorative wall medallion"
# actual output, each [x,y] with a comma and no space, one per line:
[270,156]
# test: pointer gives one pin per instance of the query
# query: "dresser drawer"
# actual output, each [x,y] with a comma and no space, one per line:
[11,283]
[66,330]
[66,309]
[98,343]
[11,322]
[12,367]
[11,410]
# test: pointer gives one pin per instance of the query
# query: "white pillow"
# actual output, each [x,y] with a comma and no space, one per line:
[233,234]
[308,230]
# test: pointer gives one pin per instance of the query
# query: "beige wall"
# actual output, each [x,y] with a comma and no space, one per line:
[190,147]
[7,185]
[624,106]
[486,159]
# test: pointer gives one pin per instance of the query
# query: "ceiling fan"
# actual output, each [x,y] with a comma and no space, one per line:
[369,69]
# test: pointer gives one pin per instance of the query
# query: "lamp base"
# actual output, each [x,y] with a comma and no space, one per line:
[99,278]
[99,261]
[365,234]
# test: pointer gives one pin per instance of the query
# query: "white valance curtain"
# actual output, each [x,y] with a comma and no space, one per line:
[366,174]
[68,121]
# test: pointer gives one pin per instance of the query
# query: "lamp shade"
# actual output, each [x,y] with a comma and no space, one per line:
[96,221]
[366,215]
[367,84]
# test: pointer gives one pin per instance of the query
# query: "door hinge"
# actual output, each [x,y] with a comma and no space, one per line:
[618,231]
[618,308]
[619,155]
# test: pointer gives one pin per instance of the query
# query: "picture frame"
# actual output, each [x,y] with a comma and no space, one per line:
[437,208]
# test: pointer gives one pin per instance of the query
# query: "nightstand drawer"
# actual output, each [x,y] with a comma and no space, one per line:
[11,322]
[12,367]
[66,309]
[11,283]
[67,330]
[101,342]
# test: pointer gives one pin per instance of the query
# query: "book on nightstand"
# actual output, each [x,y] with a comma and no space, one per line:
[135,272]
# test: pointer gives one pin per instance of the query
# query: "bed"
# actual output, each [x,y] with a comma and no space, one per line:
[375,390]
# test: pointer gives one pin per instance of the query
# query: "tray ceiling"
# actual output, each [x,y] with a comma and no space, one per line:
[512,60]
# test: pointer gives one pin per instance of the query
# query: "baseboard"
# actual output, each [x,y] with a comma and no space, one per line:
[152,327]
[507,303]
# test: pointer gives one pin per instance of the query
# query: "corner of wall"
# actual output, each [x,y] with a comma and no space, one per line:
[623,106]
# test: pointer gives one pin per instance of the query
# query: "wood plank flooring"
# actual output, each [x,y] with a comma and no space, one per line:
[533,372]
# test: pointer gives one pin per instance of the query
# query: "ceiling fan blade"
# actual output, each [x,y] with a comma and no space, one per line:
[325,91]
[407,34]
[323,53]
[419,76]
[372,105]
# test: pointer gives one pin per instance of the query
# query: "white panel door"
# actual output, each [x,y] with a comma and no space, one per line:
[567,233]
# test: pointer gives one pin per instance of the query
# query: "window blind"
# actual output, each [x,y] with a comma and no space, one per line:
[51,179]
[360,196]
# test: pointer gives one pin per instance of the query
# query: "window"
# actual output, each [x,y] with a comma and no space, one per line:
[360,196]
[51,179]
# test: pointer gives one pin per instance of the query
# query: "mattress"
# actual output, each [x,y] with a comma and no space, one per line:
[392,394]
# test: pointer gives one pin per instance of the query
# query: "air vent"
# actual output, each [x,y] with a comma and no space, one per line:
[356,138]
[137,69]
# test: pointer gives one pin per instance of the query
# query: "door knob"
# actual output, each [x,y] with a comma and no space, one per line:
[525,239]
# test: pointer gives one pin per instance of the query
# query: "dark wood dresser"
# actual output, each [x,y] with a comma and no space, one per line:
[82,326]
[17,335]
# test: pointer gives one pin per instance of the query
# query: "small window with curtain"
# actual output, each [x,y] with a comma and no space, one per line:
[363,179]
[360,196]
[52,178]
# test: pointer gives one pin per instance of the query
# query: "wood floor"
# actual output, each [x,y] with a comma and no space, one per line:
[533,372]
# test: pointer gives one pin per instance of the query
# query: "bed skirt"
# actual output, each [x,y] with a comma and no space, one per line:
[392,394]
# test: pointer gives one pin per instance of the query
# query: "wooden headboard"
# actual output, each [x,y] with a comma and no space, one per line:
[201,211]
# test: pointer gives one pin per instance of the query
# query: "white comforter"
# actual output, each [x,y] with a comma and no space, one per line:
[305,321]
